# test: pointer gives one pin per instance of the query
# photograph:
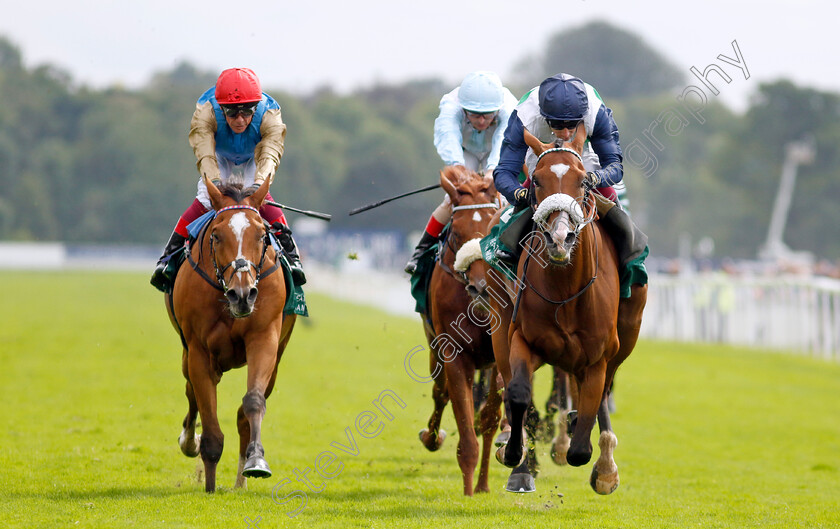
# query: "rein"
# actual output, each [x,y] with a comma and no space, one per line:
[238,265]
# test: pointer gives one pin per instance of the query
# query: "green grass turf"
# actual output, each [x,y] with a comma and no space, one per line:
[92,400]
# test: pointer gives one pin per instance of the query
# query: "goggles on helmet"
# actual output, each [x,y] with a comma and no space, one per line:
[246,109]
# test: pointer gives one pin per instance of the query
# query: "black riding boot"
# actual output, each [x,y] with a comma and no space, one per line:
[284,237]
[158,280]
[629,240]
[426,242]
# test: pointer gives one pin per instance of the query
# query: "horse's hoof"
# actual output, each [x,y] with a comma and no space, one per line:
[189,447]
[603,483]
[559,449]
[256,467]
[426,439]
[521,483]
[503,457]
[503,438]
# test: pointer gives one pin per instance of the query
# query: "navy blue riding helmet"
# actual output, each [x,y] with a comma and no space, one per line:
[563,98]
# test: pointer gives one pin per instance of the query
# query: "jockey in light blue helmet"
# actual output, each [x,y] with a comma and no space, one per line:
[481,92]
[468,131]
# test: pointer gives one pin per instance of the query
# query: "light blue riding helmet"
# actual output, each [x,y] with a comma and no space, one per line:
[481,92]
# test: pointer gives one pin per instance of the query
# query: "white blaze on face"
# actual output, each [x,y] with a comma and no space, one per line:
[559,169]
[238,224]
[476,216]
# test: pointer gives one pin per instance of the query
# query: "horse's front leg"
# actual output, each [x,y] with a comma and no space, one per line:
[604,477]
[518,397]
[591,385]
[262,370]
[203,378]
[189,441]
[489,423]
[432,436]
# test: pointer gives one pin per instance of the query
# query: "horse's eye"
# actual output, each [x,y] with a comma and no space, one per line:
[536,182]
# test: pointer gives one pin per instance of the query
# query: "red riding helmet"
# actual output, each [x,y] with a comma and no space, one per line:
[238,85]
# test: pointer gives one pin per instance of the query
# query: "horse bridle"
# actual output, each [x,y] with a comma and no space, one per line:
[238,265]
[460,276]
[588,220]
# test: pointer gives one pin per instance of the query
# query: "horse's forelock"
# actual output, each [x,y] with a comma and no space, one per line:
[235,192]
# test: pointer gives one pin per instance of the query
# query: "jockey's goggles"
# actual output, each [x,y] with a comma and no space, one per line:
[560,124]
[471,114]
[246,109]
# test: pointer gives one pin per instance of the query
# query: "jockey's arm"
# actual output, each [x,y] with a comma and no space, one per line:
[604,140]
[448,138]
[499,134]
[203,140]
[270,148]
[506,174]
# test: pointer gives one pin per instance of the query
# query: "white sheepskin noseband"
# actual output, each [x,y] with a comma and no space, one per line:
[559,202]
[469,252]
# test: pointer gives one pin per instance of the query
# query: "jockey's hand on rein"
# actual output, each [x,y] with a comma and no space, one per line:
[592,180]
[520,197]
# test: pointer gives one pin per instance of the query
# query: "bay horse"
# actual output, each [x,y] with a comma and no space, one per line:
[567,311]
[228,309]
[457,331]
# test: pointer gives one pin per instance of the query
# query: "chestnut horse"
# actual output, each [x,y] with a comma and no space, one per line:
[567,312]
[457,330]
[225,322]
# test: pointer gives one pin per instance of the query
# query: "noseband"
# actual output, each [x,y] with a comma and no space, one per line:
[237,265]
[461,277]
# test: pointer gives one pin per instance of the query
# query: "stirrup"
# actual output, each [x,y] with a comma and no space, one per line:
[507,257]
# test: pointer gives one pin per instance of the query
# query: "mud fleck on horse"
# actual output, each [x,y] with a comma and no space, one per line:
[457,331]
[228,308]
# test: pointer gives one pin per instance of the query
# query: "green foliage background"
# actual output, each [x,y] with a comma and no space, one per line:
[114,165]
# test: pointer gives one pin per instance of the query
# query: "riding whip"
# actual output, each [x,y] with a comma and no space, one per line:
[377,204]
[323,216]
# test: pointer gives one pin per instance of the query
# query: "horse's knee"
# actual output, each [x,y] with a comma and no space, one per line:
[518,392]
[253,402]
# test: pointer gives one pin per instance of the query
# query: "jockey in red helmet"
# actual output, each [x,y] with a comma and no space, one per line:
[237,135]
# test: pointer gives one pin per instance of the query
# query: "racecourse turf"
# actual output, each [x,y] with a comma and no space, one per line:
[93,399]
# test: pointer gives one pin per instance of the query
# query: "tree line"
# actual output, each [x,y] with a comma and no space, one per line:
[114,165]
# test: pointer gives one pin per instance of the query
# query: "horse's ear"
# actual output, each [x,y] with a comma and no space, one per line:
[214,193]
[258,196]
[448,180]
[579,138]
[534,143]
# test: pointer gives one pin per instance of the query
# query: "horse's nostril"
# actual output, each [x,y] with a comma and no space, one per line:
[472,291]
[570,238]
[252,295]
[231,296]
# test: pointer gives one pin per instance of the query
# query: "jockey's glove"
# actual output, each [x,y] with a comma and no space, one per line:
[520,197]
[592,180]
[253,187]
